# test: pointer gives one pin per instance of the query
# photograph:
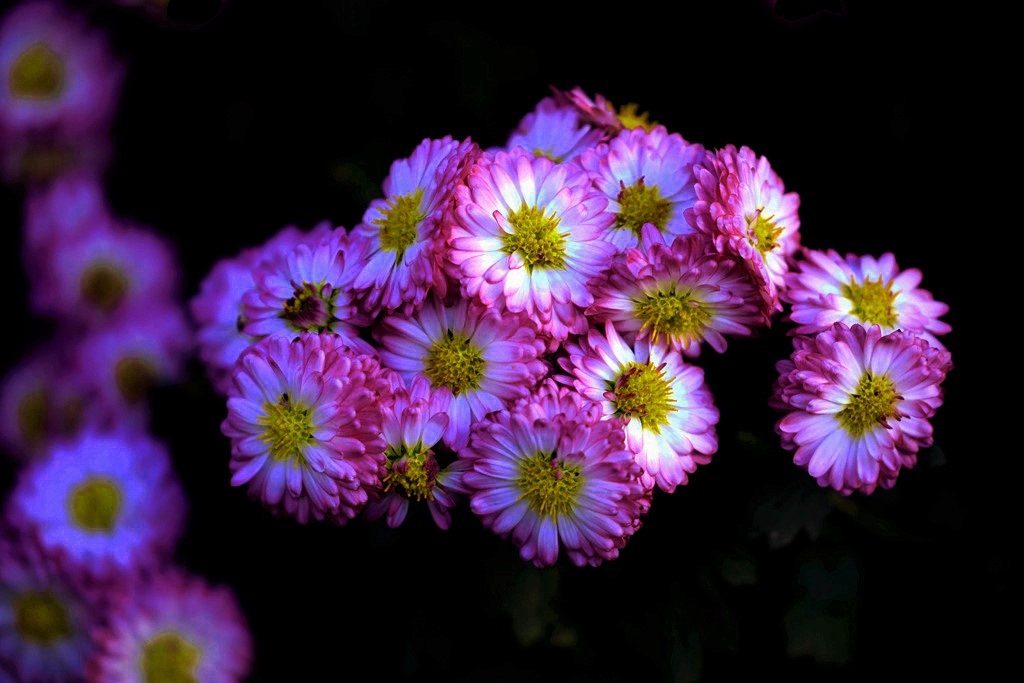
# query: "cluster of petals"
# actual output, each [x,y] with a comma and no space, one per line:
[667,446]
[743,206]
[857,403]
[554,130]
[402,235]
[553,476]
[824,288]
[304,419]
[715,295]
[61,209]
[545,275]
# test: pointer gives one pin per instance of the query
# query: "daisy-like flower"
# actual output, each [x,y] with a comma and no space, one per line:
[858,404]
[551,475]
[484,357]
[825,288]
[103,271]
[668,410]
[106,503]
[217,308]
[309,289]
[403,231]
[743,206]
[58,76]
[599,111]
[304,419]
[528,235]
[677,295]
[648,178]
[416,467]
[175,627]
[47,617]
[555,131]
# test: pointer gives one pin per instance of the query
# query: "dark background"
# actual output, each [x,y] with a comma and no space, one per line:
[271,113]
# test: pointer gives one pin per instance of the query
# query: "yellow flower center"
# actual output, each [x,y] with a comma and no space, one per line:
[95,504]
[762,232]
[455,362]
[41,618]
[873,402]
[37,73]
[642,392]
[548,485]
[401,219]
[288,428]
[630,118]
[311,307]
[135,378]
[412,471]
[104,286]
[640,204]
[536,238]
[168,658]
[673,314]
[872,301]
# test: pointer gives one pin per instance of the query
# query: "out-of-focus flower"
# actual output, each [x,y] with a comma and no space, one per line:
[72,204]
[668,411]
[304,419]
[175,627]
[552,475]
[825,288]
[107,504]
[485,358]
[858,403]
[404,231]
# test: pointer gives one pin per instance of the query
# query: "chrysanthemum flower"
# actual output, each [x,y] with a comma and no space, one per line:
[648,178]
[404,231]
[305,419]
[484,357]
[743,205]
[599,111]
[176,627]
[825,288]
[217,308]
[58,75]
[309,289]
[551,475]
[555,131]
[63,208]
[416,460]
[47,617]
[105,503]
[528,235]
[857,403]
[99,273]
[669,412]
[677,295]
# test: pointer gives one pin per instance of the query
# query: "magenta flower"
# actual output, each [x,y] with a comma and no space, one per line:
[175,627]
[743,206]
[678,296]
[485,358]
[305,422]
[404,232]
[648,178]
[528,234]
[555,131]
[551,475]
[825,288]
[858,404]
[668,411]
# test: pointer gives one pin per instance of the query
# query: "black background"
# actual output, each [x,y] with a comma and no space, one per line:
[273,113]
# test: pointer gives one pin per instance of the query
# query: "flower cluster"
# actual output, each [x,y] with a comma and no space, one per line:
[518,329]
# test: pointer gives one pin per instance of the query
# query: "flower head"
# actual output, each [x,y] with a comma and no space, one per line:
[825,288]
[857,403]
[668,410]
[555,131]
[69,205]
[551,475]
[305,419]
[599,111]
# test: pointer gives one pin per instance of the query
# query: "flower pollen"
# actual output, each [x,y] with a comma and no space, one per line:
[398,226]
[548,485]
[873,403]
[104,286]
[41,618]
[95,504]
[672,314]
[311,308]
[412,471]
[630,117]
[642,392]
[37,73]
[640,204]
[872,302]
[455,362]
[168,658]
[762,231]
[288,428]
[536,238]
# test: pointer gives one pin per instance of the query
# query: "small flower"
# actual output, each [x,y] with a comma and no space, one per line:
[858,403]
[47,617]
[528,235]
[217,308]
[743,206]
[305,418]
[648,178]
[677,295]
[552,476]
[599,111]
[485,358]
[403,231]
[106,503]
[175,627]
[825,288]
[668,410]
[555,131]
